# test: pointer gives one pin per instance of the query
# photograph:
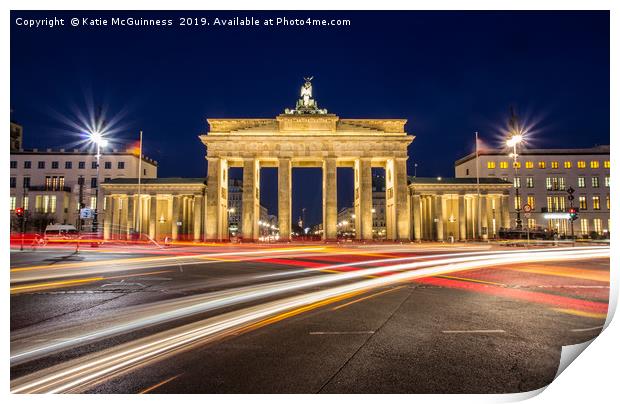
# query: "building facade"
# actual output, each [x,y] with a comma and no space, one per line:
[542,177]
[50,183]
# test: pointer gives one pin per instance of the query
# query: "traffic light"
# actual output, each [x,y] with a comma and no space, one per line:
[573,212]
[19,212]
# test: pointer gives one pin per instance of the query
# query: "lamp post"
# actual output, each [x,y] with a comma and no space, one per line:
[100,142]
[514,140]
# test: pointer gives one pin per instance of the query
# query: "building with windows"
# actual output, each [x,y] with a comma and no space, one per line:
[17,136]
[542,177]
[50,184]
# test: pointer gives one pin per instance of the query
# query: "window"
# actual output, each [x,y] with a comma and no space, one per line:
[144,172]
[531,200]
[54,165]
[48,183]
[529,182]
[606,163]
[41,164]
[529,164]
[25,202]
[13,182]
[607,201]
[46,203]
[93,202]
[598,225]
[12,203]
[38,203]
[81,165]
[93,165]
[13,164]
[581,164]
[491,164]
[548,183]
[594,182]
[467,171]
[517,182]
[80,180]
[583,204]
[607,181]
[581,182]
[531,223]
[52,204]
[594,164]
[568,164]
[503,164]
[583,224]
[26,182]
[517,164]
[68,165]
[518,202]
[556,203]
[121,165]
[107,165]
[542,164]
[27,164]
[596,202]
[61,183]
[505,179]
[554,164]
[93,182]
[561,184]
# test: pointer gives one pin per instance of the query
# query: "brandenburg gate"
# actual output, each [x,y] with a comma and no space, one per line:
[307,136]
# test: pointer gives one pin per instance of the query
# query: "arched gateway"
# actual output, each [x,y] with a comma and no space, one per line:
[307,137]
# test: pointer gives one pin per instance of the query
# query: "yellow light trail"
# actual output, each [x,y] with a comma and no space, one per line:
[52,285]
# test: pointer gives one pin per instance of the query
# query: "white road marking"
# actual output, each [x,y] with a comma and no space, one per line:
[472,331]
[587,329]
[340,332]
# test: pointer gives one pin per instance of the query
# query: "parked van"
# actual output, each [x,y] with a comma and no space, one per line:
[60,232]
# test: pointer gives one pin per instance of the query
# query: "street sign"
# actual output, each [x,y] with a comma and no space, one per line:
[570,197]
[86,213]
[527,215]
[527,208]
[570,190]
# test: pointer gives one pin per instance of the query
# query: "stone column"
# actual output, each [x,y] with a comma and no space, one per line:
[176,207]
[438,216]
[505,209]
[197,217]
[401,200]
[107,219]
[153,217]
[330,203]
[424,218]
[363,199]
[250,200]
[216,212]
[132,204]
[417,222]
[484,223]
[284,198]
[462,219]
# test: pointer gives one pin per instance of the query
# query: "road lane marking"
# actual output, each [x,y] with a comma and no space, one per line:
[473,280]
[591,275]
[587,329]
[367,297]
[473,331]
[582,313]
[340,332]
[153,387]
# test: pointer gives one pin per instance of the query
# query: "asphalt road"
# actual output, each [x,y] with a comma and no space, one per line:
[301,318]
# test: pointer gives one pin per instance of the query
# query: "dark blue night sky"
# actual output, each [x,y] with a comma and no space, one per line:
[448,73]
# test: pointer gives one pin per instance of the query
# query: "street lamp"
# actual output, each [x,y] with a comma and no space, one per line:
[513,141]
[97,138]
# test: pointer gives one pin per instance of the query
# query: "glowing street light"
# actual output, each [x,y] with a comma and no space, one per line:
[515,138]
[100,141]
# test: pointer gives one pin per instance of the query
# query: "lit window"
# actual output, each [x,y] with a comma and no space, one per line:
[503,164]
[549,204]
[529,164]
[584,226]
[517,182]
[12,203]
[46,203]
[607,181]
[607,200]
[594,182]
[583,204]
[598,225]
[542,164]
[26,202]
[594,164]
[531,201]
[581,182]
[93,202]
[554,164]
[568,164]
[517,164]
[53,204]
[518,202]
[606,163]
[529,182]
[596,202]
[491,164]
[581,164]
[548,183]
[531,223]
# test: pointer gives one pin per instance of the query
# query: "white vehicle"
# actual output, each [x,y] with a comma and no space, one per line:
[60,232]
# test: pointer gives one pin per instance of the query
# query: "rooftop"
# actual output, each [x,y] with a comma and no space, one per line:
[146,181]
[77,152]
[443,180]
[600,149]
